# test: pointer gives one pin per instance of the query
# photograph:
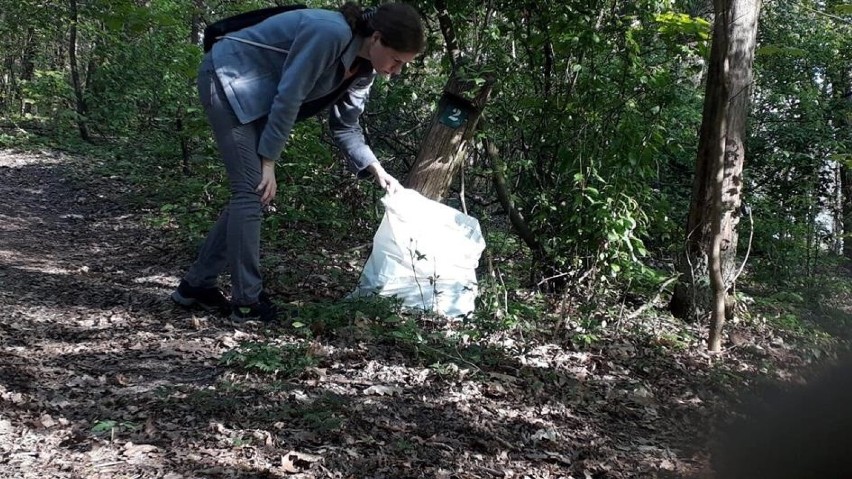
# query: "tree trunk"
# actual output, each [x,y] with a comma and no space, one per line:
[27,68]
[517,220]
[837,209]
[842,89]
[195,29]
[723,129]
[8,85]
[75,76]
[445,145]
[716,151]
[846,189]
[196,25]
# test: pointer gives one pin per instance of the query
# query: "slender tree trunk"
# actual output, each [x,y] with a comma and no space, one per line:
[517,220]
[837,209]
[448,31]
[846,190]
[27,68]
[721,156]
[8,87]
[8,65]
[80,101]
[91,66]
[195,29]
[185,151]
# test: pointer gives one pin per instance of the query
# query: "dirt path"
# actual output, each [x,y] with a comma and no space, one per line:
[87,340]
[102,377]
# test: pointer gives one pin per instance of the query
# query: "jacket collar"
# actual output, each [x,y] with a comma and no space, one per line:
[350,53]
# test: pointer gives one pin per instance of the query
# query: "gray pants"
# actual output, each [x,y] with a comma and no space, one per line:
[234,240]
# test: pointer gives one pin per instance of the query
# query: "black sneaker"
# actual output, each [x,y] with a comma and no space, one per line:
[263,311]
[208,299]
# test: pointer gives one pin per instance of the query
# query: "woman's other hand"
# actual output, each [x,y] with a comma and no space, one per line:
[267,186]
[384,180]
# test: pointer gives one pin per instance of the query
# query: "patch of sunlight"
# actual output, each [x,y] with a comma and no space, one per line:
[17,159]
[164,280]
[14,223]
[36,266]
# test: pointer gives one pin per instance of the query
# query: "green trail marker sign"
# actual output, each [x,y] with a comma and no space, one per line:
[453,115]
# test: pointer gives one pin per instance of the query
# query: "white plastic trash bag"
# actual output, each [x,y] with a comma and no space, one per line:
[424,253]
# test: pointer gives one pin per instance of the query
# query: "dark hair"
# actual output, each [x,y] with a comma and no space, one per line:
[399,23]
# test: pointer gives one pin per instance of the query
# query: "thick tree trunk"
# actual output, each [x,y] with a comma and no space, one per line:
[842,87]
[75,76]
[445,145]
[716,151]
[726,105]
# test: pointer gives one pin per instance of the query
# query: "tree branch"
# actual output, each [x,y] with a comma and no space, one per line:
[515,217]
[448,31]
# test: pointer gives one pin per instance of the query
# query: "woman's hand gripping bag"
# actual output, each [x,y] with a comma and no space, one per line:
[425,253]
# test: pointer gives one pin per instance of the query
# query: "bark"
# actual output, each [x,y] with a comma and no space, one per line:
[837,210]
[845,183]
[444,146]
[726,105]
[716,151]
[846,188]
[185,151]
[92,66]
[841,79]
[8,86]
[80,101]
[195,29]
[196,26]
[717,282]
[448,32]
[27,68]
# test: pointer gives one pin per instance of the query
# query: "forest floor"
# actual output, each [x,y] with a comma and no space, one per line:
[101,376]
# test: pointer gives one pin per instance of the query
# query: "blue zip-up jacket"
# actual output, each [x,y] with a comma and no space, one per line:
[259,82]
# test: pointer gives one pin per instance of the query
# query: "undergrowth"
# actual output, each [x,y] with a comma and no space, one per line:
[322,215]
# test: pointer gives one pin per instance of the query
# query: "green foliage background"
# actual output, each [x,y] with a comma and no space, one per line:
[595,115]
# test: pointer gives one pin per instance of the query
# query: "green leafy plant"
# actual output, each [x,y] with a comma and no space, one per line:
[287,360]
[328,317]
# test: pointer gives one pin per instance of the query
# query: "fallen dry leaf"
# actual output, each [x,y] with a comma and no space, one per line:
[379,390]
[294,461]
